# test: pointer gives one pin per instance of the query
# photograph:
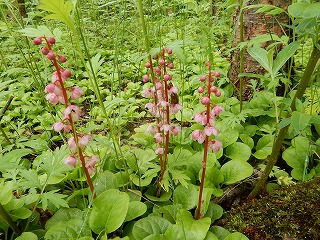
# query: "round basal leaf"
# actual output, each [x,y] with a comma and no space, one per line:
[214,211]
[27,236]
[104,181]
[211,236]
[72,229]
[149,226]
[109,211]
[264,147]
[169,212]
[187,197]
[164,196]
[236,236]
[297,9]
[228,136]
[212,178]
[236,170]
[300,121]
[219,232]
[135,209]
[192,229]
[63,215]
[247,140]
[156,237]
[239,151]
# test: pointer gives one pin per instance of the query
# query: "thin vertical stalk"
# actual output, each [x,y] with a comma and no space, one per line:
[304,82]
[6,217]
[205,153]
[241,55]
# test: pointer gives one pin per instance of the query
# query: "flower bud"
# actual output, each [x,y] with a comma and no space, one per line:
[217,74]
[170,65]
[162,62]
[205,100]
[169,51]
[62,59]
[148,65]
[37,41]
[201,89]
[51,56]
[203,78]
[51,40]
[45,50]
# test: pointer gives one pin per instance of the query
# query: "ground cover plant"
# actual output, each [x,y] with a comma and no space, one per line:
[119,121]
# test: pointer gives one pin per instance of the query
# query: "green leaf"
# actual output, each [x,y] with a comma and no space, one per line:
[36,32]
[236,170]
[297,9]
[187,228]
[64,215]
[96,62]
[59,10]
[109,211]
[20,213]
[149,226]
[187,197]
[247,140]
[220,232]
[54,198]
[260,55]
[27,236]
[135,209]
[14,155]
[264,147]
[229,136]
[29,179]
[300,121]
[283,56]
[236,236]
[104,181]
[72,230]
[239,151]
[169,212]
[214,211]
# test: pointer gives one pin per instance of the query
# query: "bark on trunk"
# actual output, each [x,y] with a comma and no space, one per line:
[254,24]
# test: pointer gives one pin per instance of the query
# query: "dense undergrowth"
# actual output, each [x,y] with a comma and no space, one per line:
[118,120]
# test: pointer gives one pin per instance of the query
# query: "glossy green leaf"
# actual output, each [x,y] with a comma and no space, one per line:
[150,226]
[236,170]
[300,121]
[104,181]
[109,211]
[135,209]
[236,236]
[219,232]
[214,211]
[239,151]
[27,236]
[264,147]
[187,197]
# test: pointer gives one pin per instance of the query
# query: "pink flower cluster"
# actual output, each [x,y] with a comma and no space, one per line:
[164,99]
[207,118]
[57,92]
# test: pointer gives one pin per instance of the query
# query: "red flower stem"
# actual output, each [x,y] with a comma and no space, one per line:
[167,121]
[74,132]
[205,153]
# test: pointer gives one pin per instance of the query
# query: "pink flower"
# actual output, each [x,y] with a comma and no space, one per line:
[212,120]
[173,89]
[152,108]
[159,151]
[165,127]
[76,92]
[72,144]
[71,161]
[175,130]
[91,164]
[158,137]
[208,130]
[198,135]
[75,112]
[218,93]
[205,100]
[217,110]
[83,141]
[159,85]
[58,126]
[215,145]
[145,78]
[152,129]
[148,93]
[53,99]
[200,118]
[163,103]
[175,108]
[50,88]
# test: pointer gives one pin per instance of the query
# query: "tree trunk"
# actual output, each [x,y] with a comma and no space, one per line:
[254,24]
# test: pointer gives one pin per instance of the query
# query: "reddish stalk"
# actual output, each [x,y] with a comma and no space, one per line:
[74,132]
[205,153]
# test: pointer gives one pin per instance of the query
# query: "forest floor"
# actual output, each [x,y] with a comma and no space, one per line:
[290,213]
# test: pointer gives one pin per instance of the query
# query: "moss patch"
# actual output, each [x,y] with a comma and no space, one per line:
[287,213]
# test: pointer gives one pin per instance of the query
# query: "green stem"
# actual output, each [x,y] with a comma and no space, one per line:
[311,66]
[6,217]
[241,56]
